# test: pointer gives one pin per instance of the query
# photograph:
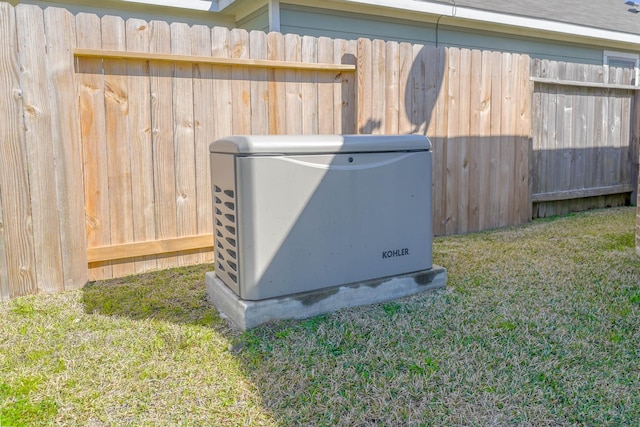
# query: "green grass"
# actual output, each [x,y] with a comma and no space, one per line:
[538,325]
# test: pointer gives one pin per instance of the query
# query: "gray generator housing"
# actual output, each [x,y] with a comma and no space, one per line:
[300,213]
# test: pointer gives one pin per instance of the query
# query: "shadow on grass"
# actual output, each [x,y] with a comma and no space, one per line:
[176,295]
[538,327]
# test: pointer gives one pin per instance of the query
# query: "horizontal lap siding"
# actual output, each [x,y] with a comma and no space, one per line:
[317,22]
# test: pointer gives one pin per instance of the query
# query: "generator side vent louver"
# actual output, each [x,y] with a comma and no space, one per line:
[225,226]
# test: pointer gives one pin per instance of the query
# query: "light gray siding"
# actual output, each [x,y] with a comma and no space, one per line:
[258,20]
[323,22]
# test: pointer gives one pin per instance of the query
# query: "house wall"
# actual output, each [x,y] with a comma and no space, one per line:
[348,25]
[258,20]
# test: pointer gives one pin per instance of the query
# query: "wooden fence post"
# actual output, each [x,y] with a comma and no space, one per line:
[635,143]
[634,146]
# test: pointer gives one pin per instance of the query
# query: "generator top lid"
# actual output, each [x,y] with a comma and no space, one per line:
[318,144]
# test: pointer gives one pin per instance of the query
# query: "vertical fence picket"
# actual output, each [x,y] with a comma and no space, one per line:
[451,174]
[61,39]
[293,100]
[391,93]
[162,135]
[344,95]
[140,140]
[277,94]
[39,148]
[377,88]
[507,140]
[474,149]
[494,161]
[91,106]
[309,86]
[259,85]
[5,289]
[183,140]
[440,143]
[522,133]
[363,90]
[462,160]
[117,134]
[405,61]
[484,143]
[223,100]
[325,104]
[241,87]
[418,90]
[204,124]
[17,253]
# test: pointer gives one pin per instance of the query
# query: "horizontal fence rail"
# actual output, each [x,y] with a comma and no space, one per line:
[254,63]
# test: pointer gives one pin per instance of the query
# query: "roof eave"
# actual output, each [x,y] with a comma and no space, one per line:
[513,24]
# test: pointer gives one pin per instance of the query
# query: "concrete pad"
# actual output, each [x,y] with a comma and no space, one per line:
[245,314]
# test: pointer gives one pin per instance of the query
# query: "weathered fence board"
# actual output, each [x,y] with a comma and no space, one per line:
[164,180]
[204,128]
[141,150]
[39,148]
[183,139]
[17,258]
[67,149]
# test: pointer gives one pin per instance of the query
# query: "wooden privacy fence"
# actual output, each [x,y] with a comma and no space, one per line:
[585,137]
[104,160]
[181,108]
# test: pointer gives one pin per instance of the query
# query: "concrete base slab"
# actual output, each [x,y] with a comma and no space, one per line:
[245,314]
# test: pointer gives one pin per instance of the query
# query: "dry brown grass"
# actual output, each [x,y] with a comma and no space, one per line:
[538,326]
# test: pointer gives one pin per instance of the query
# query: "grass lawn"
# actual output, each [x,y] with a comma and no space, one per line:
[539,325]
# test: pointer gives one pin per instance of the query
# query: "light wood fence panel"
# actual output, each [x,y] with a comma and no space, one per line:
[41,198]
[475,108]
[188,105]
